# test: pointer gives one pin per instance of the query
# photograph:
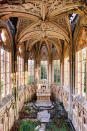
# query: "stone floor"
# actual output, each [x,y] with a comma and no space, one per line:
[50,117]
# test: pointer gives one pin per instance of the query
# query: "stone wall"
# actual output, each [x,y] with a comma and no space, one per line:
[61,94]
[9,108]
[79,113]
[79,107]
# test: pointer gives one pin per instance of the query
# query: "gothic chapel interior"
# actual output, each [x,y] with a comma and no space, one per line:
[43,65]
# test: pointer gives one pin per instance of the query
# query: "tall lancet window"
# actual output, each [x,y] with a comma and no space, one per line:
[66,72]
[5,64]
[44,67]
[56,65]
[5,71]
[30,71]
[20,63]
[81,71]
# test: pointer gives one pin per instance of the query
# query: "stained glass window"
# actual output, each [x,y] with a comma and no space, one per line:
[44,66]
[30,71]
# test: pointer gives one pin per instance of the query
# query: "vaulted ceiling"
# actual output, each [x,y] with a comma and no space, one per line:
[42,20]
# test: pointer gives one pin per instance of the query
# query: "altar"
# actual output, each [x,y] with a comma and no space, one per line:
[43,92]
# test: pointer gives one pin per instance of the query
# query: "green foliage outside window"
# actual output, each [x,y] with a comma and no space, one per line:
[56,75]
[30,79]
[2,87]
[43,72]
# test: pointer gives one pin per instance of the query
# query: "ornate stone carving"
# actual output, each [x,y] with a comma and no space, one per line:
[42,19]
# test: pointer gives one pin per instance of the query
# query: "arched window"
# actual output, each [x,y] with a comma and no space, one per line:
[56,70]
[20,64]
[81,64]
[5,63]
[81,71]
[44,68]
[30,71]
[66,72]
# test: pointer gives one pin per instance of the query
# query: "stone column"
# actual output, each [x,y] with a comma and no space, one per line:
[14,70]
[15,82]
[62,71]
[70,84]
[37,71]
[25,65]
[62,66]
[73,70]
[25,73]
[50,73]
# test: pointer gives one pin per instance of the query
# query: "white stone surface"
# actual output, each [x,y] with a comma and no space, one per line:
[43,116]
[43,103]
[42,128]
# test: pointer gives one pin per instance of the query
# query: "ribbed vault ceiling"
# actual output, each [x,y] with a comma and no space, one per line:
[42,20]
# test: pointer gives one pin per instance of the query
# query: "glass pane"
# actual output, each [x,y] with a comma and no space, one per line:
[56,65]
[30,71]
[44,66]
